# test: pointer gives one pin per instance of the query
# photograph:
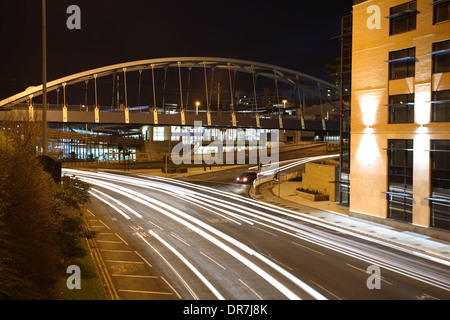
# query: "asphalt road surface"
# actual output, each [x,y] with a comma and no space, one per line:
[162,238]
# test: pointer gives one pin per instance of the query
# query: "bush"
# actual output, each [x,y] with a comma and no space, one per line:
[40,221]
[68,196]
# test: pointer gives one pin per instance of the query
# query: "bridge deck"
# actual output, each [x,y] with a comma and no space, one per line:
[146,118]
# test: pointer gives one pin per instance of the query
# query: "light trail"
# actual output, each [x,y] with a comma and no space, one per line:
[312,235]
[182,218]
[120,203]
[189,265]
[111,205]
[293,163]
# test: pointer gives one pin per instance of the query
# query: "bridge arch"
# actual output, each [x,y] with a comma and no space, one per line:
[294,78]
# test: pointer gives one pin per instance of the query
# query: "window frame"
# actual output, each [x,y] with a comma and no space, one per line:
[407,105]
[400,165]
[404,58]
[441,52]
[439,176]
[439,102]
[398,14]
[440,4]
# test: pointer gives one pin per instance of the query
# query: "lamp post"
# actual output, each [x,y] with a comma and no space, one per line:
[44,80]
[196,108]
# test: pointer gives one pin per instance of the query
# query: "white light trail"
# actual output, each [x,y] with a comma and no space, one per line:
[191,291]
[189,265]
[181,216]
[111,205]
[120,203]
[295,229]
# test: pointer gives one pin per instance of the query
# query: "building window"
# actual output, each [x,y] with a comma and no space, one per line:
[158,133]
[402,64]
[440,184]
[441,56]
[400,180]
[403,18]
[440,106]
[441,11]
[401,108]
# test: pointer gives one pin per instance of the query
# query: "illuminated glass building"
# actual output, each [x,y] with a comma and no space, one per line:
[400,114]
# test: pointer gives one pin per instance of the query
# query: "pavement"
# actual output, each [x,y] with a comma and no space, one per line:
[328,212]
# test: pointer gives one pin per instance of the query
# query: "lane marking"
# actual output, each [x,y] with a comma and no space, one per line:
[171,287]
[213,261]
[146,292]
[155,225]
[179,238]
[124,261]
[275,260]
[148,263]
[104,224]
[121,239]
[365,271]
[326,290]
[273,234]
[108,241]
[300,245]
[90,212]
[134,276]
[259,297]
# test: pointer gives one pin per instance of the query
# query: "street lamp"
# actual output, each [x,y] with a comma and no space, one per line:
[196,107]
[44,81]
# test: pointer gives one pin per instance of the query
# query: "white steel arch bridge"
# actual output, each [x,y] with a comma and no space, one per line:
[301,85]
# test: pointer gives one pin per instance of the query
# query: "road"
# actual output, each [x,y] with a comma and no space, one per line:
[165,239]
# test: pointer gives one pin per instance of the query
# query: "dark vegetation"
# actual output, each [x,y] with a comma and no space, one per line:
[40,220]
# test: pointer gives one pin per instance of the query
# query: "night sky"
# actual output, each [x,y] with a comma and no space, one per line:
[291,34]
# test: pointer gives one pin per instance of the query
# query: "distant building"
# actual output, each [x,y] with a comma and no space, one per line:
[400,113]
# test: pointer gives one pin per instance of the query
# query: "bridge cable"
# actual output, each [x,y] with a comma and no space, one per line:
[164,89]
[206,85]
[95,84]
[181,87]
[276,88]
[113,89]
[189,87]
[139,90]
[255,103]
[153,84]
[64,94]
[125,84]
[231,87]
[211,84]
[85,92]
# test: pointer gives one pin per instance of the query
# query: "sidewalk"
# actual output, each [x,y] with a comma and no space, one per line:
[331,213]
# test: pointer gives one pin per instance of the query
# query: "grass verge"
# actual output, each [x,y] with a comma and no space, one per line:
[91,286]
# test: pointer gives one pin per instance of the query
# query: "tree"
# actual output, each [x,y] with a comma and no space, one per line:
[40,220]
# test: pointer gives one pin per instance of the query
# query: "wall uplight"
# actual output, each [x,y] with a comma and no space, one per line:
[369,102]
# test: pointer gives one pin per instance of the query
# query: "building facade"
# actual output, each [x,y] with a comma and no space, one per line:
[400,114]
